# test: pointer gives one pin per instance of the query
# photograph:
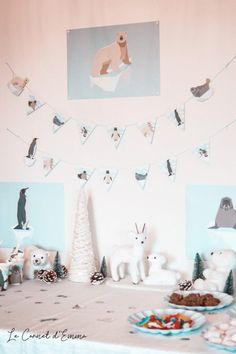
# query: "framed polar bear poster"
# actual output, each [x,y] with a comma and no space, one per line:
[113,61]
[211,219]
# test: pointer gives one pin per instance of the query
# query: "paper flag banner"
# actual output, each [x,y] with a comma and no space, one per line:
[30,157]
[85,130]
[202,151]
[34,105]
[141,175]
[148,130]
[84,174]
[202,92]
[49,163]
[108,177]
[58,122]
[17,85]
[177,116]
[116,134]
[169,168]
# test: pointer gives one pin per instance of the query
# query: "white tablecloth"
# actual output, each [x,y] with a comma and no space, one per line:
[97,312]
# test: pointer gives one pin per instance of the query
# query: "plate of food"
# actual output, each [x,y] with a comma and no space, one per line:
[166,321]
[198,300]
[222,335]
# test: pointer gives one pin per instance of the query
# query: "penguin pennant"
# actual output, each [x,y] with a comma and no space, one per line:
[202,92]
[84,174]
[108,177]
[34,105]
[58,122]
[116,134]
[85,131]
[169,168]
[148,130]
[17,84]
[30,158]
[202,151]
[49,163]
[177,116]
[141,175]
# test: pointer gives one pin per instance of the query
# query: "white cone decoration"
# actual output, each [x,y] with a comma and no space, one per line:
[116,134]
[17,85]
[84,174]
[169,168]
[148,129]
[34,105]
[202,151]
[141,175]
[85,130]
[58,122]
[108,177]
[82,265]
[177,116]
[49,163]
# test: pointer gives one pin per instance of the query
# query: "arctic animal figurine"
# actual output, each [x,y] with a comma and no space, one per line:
[133,256]
[21,213]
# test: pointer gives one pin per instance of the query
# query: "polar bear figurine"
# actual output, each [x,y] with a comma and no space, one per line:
[38,259]
[220,264]
[111,56]
[157,275]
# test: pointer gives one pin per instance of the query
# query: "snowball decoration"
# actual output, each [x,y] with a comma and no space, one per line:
[132,255]
[157,275]
[223,333]
[220,265]
[49,276]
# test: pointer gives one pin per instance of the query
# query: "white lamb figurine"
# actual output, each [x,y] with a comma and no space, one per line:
[157,275]
[133,256]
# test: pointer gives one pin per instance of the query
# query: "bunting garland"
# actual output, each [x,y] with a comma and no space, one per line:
[148,130]
[85,130]
[34,104]
[177,116]
[116,134]
[49,163]
[84,174]
[108,177]
[141,175]
[169,168]
[202,151]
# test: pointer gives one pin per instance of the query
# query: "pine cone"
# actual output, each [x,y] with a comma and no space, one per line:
[49,276]
[97,278]
[40,274]
[185,285]
[64,272]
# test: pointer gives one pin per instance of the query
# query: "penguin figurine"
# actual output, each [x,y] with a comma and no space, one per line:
[32,149]
[115,135]
[200,90]
[21,213]
[83,175]
[107,178]
[177,117]
[169,168]
[57,121]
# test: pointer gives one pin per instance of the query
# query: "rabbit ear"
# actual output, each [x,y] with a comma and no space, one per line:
[143,228]
[136,228]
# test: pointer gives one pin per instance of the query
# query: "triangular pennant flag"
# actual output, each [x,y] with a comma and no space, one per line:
[17,84]
[34,104]
[141,175]
[116,134]
[177,116]
[202,92]
[169,168]
[30,158]
[85,130]
[202,151]
[59,122]
[148,130]
[84,174]
[108,177]
[49,163]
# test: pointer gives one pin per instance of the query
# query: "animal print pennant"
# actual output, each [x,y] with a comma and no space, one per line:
[17,84]
[49,163]
[30,158]
[148,130]
[85,130]
[84,174]
[108,177]
[141,175]
[34,105]
[59,122]
[202,151]
[169,168]
[116,134]
[177,116]
[202,92]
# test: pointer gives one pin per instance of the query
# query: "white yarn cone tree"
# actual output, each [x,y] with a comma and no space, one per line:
[82,261]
